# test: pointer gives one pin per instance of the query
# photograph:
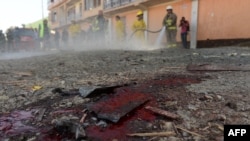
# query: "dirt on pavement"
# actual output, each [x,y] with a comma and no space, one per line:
[203,100]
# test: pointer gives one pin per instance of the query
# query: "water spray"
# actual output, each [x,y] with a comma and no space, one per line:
[160,37]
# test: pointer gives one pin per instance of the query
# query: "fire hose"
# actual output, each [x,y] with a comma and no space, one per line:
[150,31]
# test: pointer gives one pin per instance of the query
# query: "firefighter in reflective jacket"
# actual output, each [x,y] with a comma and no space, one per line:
[120,29]
[139,27]
[170,21]
[99,25]
[74,31]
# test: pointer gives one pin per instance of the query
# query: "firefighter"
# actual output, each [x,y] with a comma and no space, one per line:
[120,29]
[170,21]
[139,27]
[2,41]
[74,31]
[10,39]
[99,25]
[65,37]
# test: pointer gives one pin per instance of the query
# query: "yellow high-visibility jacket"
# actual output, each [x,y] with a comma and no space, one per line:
[74,30]
[138,27]
[95,24]
[120,30]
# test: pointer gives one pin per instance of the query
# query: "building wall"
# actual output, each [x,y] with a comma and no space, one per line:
[80,16]
[223,19]
[217,19]
[155,18]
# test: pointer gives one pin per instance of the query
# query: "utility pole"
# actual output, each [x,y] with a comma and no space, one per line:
[42,10]
[194,24]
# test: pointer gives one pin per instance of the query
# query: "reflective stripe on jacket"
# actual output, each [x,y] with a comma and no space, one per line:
[170,21]
[95,26]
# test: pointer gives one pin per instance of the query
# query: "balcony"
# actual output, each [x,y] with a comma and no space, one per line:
[56,3]
[72,2]
[116,3]
[118,6]
[75,17]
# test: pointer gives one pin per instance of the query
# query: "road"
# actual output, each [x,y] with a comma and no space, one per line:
[205,100]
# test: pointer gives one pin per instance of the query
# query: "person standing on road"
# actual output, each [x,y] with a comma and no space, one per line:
[120,29]
[170,21]
[184,24]
[10,39]
[44,34]
[65,37]
[57,39]
[98,27]
[74,31]
[139,27]
[2,41]
[37,44]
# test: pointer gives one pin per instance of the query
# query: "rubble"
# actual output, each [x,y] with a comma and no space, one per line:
[185,130]
[153,134]
[41,114]
[87,97]
[67,125]
[63,92]
[91,91]
[162,112]
[214,67]
[118,105]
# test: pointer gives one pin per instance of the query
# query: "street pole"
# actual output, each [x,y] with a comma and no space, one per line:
[194,24]
[42,10]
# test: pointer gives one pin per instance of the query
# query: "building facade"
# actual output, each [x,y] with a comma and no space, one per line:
[63,12]
[209,19]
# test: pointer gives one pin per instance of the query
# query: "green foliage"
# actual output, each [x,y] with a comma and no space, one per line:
[35,24]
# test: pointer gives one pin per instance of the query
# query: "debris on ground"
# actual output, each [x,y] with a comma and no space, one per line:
[166,134]
[162,112]
[113,108]
[173,94]
[214,67]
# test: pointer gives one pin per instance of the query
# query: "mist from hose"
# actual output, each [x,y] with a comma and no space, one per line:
[105,42]
[88,43]
[160,37]
[21,54]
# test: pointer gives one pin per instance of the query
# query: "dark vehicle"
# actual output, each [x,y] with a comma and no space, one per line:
[25,39]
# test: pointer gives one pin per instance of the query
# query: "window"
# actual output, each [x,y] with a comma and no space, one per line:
[50,1]
[54,17]
[90,4]
[71,14]
[97,3]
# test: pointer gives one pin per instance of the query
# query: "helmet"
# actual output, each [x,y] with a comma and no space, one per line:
[169,7]
[139,13]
